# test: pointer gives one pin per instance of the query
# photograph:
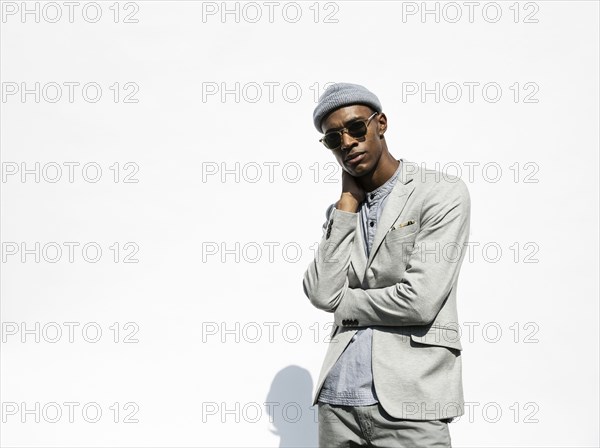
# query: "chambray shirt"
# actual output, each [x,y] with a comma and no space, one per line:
[350,381]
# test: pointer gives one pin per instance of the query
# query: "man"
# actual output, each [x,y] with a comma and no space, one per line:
[387,268]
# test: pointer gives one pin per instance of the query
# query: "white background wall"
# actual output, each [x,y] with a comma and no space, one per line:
[204,339]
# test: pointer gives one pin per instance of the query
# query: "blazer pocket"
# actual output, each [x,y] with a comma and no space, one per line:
[440,336]
[403,229]
[410,222]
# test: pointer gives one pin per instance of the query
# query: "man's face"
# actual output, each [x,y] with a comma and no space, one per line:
[370,145]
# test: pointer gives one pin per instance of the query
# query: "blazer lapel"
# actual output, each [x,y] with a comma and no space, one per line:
[391,212]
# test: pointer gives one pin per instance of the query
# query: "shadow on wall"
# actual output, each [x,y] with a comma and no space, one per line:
[288,405]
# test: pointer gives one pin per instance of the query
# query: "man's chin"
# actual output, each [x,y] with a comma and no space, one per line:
[359,171]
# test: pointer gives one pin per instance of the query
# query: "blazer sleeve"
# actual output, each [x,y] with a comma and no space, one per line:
[326,278]
[431,271]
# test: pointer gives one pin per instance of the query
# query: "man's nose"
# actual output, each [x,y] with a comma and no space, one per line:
[347,141]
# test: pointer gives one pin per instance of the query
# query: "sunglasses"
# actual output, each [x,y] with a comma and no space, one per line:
[357,129]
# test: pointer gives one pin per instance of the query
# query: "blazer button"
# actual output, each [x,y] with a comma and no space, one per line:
[355,321]
[344,322]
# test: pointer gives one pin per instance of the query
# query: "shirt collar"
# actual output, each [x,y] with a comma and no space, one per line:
[382,190]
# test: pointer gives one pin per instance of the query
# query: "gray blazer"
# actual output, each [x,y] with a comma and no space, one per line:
[406,291]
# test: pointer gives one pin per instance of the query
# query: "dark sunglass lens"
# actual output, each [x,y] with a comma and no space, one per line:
[357,129]
[332,140]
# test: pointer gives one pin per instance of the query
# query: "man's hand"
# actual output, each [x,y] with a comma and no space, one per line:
[352,194]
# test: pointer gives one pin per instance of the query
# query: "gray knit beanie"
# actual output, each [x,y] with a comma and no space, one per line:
[343,94]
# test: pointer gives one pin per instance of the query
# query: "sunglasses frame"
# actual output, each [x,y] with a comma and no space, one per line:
[341,131]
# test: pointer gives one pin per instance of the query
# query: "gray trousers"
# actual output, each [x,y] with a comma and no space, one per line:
[370,426]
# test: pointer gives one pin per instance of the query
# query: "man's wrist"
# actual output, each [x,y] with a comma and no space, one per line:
[347,204]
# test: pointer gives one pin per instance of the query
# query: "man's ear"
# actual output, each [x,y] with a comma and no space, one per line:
[384,126]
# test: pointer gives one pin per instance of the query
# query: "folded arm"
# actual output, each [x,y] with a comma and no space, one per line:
[326,278]
[431,271]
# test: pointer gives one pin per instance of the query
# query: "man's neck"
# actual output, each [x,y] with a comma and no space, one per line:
[381,174]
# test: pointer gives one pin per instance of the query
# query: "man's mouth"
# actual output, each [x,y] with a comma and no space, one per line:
[353,156]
